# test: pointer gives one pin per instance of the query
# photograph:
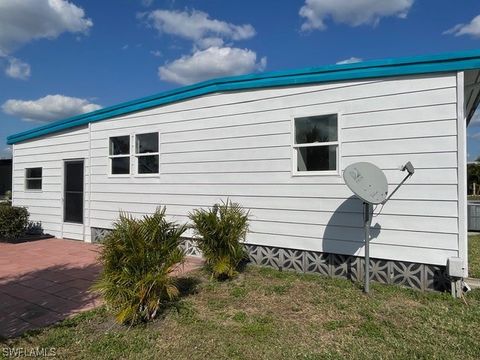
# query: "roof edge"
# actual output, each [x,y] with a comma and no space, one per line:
[454,61]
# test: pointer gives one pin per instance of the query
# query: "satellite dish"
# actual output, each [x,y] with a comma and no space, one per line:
[369,183]
[366,181]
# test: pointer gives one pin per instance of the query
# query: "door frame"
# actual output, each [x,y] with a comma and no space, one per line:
[63,185]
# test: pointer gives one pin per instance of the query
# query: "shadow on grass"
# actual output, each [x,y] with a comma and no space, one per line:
[45,296]
[188,285]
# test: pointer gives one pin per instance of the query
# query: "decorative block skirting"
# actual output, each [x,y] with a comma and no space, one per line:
[190,247]
[412,275]
[98,234]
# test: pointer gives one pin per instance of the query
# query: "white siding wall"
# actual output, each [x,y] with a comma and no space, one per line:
[238,145]
[47,205]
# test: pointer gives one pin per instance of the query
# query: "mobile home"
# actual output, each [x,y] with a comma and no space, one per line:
[277,144]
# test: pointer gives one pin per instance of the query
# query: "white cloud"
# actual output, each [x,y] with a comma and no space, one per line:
[351,12]
[197,26]
[210,42]
[211,63]
[48,108]
[27,20]
[472,28]
[147,3]
[17,69]
[351,60]
[156,53]
[212,55]
[6,152]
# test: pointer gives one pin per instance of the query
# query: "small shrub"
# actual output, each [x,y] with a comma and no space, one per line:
[13,221]
[34,228]
[138,257]
[220,232]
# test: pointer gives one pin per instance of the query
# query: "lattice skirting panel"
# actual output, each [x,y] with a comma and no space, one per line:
[190,247]
[188,244]
[98,234]
[412,275]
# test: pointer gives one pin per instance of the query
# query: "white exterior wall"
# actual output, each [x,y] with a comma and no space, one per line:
[238,145]
[46,205]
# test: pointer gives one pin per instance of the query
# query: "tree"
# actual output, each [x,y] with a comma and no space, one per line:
[473,176]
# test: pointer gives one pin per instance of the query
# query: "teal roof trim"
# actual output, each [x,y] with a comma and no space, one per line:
[458,61]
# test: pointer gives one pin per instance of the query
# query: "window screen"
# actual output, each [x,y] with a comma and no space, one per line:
[73,203]
[146,153]
[119,155]
[316,143]
[33,178]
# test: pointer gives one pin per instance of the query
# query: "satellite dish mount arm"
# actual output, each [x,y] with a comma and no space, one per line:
[411,170]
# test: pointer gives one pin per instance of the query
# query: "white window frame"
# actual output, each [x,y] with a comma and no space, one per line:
[129,156]
[36,178]
[136,155]
[295,146]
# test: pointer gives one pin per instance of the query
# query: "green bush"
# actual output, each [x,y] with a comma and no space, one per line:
[138,257]
[13,221]
[220,232]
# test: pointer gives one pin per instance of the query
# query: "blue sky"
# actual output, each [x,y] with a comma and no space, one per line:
[60,58]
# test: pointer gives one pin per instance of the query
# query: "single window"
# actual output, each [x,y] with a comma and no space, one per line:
[146,153]
[316,143]
[33,178]
[119,155]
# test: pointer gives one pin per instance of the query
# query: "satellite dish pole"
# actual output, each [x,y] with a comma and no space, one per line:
[367,211]
[369,183]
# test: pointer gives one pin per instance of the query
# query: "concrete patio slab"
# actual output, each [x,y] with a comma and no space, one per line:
[45,281]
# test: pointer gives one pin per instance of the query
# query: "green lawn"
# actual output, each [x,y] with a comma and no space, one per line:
[474,256]
[267,314]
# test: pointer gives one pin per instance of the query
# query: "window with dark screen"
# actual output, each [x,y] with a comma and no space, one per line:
[147,153]
[73,187]
[315,144]
[33,178]
[119,155]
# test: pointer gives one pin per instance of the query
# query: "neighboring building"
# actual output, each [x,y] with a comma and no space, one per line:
[5,176]
[277,144]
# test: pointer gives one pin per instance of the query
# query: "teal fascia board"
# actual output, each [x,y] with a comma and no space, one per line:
[451,62]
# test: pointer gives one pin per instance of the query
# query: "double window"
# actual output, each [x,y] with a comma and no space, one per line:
[315,144]
[144,155]
[33,178]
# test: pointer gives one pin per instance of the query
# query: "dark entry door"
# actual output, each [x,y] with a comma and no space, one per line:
[73,192]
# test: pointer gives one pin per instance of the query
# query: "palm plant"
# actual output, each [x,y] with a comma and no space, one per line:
[220,232]
[138,257]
